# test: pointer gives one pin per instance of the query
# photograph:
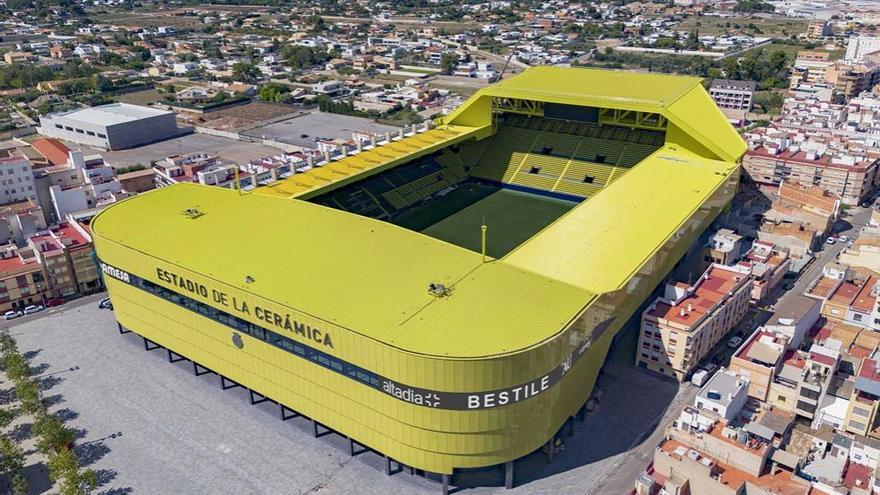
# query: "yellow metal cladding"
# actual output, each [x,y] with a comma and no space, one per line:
[328,312]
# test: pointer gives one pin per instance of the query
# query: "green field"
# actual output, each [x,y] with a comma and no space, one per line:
[512,217]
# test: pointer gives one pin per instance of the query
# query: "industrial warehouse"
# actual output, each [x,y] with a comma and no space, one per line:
[112,127]
[445,297]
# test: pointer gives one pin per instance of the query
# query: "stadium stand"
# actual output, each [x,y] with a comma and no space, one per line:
[571,158]
[576,159]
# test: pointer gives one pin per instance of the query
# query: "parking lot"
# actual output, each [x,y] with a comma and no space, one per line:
[229,149]
[303,130]
[150,426]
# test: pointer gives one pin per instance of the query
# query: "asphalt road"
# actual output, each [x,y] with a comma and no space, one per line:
[90,299]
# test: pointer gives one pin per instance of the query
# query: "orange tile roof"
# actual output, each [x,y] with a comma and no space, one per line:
[845,293]
[707,294]
[54,150]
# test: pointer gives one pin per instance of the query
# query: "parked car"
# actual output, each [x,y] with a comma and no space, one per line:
[710,368]
[105,303]
[734,342]
[36,308]
[699,378]
[55,301]
[11,315]
[843,238]
[830,240]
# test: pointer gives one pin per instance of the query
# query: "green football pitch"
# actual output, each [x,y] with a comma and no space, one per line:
[512,217]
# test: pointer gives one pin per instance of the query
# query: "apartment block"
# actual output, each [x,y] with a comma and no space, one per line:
[777,156]
[733,95]
[861,415]
[681,327]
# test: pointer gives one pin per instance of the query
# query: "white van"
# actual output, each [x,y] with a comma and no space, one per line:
[699,378]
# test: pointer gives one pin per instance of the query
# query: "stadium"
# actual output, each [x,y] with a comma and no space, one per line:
[366,295]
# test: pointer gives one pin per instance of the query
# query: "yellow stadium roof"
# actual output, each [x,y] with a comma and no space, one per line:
[356,272]
[371,276]
[681,99]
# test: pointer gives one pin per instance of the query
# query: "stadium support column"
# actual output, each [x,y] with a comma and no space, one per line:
[508,475]
[122,329]
[445,484]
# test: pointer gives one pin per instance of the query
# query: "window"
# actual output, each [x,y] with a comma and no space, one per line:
[857,317]
[102,135]
[80,131]
[90,133]
[66,128]
[803,406]
[857,425]
[780,398]
[861,412]
[588,179]
[59,126]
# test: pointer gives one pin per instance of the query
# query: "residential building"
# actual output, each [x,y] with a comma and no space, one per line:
[138,181]
[776,155]
[20,220]
[16,177]
[682,326]
[768,265]
[803,380]
[793,317]
[861,416]
[22,280]
[734,98]
[810,68]
[819,28]
[860,46]
[725,247]
[758,361]
[850,80]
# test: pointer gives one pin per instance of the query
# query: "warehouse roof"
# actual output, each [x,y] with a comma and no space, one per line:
[112,114]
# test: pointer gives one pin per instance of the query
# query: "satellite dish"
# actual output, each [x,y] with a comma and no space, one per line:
[237,340]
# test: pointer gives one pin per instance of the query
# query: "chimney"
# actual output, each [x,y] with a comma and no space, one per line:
[681,312]
[690,307]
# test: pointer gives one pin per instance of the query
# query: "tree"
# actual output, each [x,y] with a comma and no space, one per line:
[448,62]
[7,343]
[245,72]
[6,417]
[64,469]
[29,395]
[54,436]
[12,460]
[16,366]
[19,484]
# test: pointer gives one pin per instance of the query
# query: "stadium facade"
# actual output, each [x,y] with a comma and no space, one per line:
[327,295]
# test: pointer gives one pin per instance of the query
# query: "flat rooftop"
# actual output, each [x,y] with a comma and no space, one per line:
[112,114]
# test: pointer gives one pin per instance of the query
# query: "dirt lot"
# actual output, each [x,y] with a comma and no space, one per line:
[238,118]
[736,25]
[140,97]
